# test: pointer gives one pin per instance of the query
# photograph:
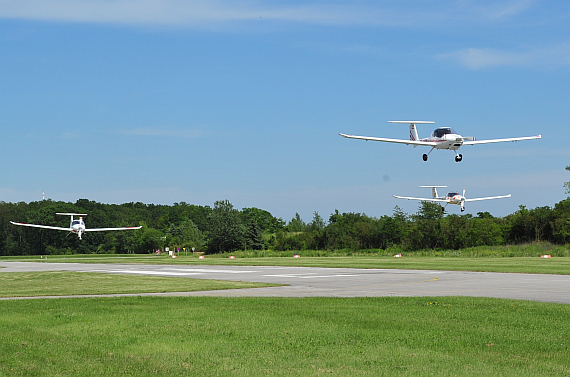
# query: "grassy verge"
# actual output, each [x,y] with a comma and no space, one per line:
[25,284]
[208,336]
[555,265]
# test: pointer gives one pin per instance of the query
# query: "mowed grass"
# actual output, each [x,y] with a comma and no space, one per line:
[554,265]
[58,283]
[211,336]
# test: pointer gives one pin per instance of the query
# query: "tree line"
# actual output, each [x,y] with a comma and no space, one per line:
[223,228]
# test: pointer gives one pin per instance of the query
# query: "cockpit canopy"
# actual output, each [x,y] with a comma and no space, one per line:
[452,194]
[439,132]
[75,222]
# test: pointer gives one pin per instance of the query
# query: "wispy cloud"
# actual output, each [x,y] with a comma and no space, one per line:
[199,13]
[164,132]
[542,57]
[500,10]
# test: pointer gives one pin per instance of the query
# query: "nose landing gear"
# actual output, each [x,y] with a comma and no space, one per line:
[458,158]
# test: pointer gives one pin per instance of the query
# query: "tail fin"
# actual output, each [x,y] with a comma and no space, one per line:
[412,123]
[413,132]
[434,190]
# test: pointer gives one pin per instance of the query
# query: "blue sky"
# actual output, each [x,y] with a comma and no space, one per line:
[197,101]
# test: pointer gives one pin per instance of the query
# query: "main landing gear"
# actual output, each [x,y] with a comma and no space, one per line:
[426,155]
[458,157]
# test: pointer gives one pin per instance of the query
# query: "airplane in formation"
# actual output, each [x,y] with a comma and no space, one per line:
[76,226]
[450,198]
[441,138]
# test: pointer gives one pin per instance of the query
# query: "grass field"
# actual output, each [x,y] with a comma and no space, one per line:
[209,336]
[555,265]
[57,283]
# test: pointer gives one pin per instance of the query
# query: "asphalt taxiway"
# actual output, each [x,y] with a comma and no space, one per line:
[335,282]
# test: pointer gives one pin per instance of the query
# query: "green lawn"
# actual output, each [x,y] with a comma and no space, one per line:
[57,283]
[554,265]
[210,336]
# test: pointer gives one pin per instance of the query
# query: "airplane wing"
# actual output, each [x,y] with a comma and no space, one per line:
[422,199]
[489,197]
[106,229]
[399,141]
[42,226]
[473,142]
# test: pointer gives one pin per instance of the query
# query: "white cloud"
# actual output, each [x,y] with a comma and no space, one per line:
[497,11]
[181,13]
[199,13]
[478,58]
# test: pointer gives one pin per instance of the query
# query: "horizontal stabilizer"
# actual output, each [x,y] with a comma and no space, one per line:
[71,214]
[411,121]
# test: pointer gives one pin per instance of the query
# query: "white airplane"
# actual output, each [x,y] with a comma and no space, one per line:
[450,198]
[76,225]
[441,138]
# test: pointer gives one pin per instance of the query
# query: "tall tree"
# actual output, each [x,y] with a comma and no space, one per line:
[318,223]
[296,224]
[226,229]
[265,220]
[254,236]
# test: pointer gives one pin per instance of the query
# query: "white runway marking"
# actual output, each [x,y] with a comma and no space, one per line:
[207,270]
[307,276]
[143,272]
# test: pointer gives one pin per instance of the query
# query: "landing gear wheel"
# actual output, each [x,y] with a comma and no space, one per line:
[425,157]
[443,209]
[458,158]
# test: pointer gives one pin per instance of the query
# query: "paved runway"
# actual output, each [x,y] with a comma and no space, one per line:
[337,282]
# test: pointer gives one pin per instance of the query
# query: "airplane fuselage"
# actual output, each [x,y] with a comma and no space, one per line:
[77,226]
[454,199]
[448,141]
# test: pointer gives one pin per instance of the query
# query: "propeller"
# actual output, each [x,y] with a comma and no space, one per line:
[463,201]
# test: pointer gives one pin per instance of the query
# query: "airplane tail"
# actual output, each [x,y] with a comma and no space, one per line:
[413,132]
[434,190]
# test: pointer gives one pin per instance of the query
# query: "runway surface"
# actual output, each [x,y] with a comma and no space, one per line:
[335,282]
